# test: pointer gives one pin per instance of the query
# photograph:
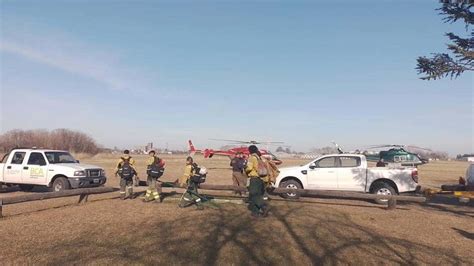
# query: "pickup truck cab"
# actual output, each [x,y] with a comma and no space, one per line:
[54,169]
[348,172]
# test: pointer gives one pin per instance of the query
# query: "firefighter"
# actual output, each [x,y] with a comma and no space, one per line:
[126,155]
[256,186]
[273,173]
[126,171]
[155,169]
[381,163]
[188,179]
[238,177]
[188,172]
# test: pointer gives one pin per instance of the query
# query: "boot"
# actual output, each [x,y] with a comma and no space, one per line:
[157,198]
[147,199]
[147,196]
[122,196]
[264,210]
[130,192]
[265,196]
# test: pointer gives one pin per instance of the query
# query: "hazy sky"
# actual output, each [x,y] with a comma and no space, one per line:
[303,72]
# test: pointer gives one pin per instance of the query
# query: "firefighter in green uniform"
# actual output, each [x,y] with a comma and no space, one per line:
[191,171]
[126,171]
[256,187]
[155,169]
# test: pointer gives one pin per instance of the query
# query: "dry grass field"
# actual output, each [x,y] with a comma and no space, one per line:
[310,231]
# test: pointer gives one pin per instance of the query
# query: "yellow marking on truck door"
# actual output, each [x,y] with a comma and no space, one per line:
[36,172]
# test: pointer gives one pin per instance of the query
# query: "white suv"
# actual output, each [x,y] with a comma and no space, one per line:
[51,168]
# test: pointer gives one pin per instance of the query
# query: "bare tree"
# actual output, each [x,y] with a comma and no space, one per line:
[61,139]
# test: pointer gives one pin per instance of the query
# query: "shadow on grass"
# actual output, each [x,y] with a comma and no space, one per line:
[464,233]
[292,234]
[450,204]
[6,189]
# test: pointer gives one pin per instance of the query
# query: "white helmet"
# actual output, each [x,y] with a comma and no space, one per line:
[203,171]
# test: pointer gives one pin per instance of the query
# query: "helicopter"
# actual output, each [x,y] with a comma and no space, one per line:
[394,153]
[209,153]
[397,154]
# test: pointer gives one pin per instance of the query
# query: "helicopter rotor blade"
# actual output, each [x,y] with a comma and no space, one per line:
[418,148]
[249,142]
[385,146]
[231,140]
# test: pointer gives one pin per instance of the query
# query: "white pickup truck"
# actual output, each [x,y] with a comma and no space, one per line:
[54,169]
[348,172]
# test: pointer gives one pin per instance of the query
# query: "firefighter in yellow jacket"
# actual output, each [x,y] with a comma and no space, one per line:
[256,186]
[188,172]
[155,169]
[126,156]
[125,168]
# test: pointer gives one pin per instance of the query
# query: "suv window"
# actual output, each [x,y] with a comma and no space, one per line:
[326,162]
[36,158]
[59,157]
[350,161]
[18,157]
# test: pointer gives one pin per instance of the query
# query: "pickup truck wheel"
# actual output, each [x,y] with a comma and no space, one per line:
[26,188]
[290,184]
[61,184]
[382,188]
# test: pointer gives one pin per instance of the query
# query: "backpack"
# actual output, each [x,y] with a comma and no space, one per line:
[126,171]
[238,164]
[199,174]
[262,169]
[156,169]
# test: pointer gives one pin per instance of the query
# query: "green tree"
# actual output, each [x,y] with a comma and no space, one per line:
[462,55]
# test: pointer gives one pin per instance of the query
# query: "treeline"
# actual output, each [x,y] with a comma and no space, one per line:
[60,139]
[324,150]
[436,155]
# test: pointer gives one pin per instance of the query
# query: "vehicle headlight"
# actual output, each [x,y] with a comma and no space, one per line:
[102,172]
[80,173]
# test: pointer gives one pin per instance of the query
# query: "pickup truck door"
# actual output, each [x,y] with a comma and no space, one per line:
[322,174]
[35,171]
[351,175]
[13,170]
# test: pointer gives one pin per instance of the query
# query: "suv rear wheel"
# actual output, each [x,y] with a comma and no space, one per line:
[383,188]
[290,184]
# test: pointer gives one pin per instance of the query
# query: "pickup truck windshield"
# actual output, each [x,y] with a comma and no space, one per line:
[59,157]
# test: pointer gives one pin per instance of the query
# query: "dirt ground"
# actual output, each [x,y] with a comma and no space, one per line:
[310,231]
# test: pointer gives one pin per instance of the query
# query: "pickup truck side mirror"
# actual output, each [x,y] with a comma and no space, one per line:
[312,166]
[77,161]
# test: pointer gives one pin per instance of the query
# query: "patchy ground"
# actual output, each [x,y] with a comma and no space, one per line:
[311,231]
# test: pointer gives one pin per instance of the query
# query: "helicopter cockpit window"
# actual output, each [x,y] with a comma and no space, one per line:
[399,158]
